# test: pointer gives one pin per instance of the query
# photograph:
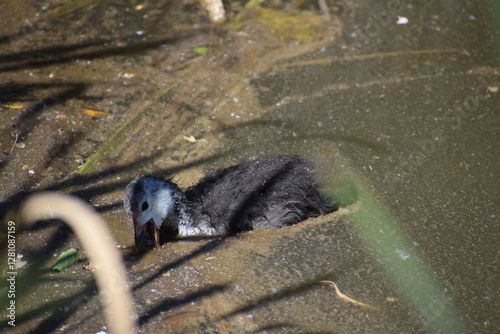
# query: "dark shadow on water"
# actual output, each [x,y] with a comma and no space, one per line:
[88,191]
[24,124]
[26,121]
[87,50]
[133,258]
[69,306]
[205,291]
[15,199]
[288,291]
[103,41]
[87,183]
[289,132]
[33,277]
[172,303]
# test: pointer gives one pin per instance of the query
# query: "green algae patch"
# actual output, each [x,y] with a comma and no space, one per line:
[300,28]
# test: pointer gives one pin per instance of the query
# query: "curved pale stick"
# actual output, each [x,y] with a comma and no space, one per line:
[96,239]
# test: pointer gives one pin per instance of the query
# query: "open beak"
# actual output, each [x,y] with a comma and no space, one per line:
[153,231]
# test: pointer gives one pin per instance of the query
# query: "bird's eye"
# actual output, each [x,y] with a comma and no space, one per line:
[144,206]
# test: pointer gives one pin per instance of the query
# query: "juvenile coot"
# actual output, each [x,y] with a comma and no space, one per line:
[263,193]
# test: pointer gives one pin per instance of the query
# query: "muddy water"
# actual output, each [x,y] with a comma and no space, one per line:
[405,115]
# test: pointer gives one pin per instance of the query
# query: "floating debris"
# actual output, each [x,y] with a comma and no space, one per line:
[344,297]
[402,20]
[201,50]
[66,259]
[126,75]
[20,264]
[15,143]
[94,113]
[14,105]
[89,266]
[192,139]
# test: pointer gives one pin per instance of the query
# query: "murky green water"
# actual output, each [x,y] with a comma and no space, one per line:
[401,119]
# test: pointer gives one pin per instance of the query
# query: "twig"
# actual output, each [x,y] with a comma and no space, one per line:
[344,297]
[14,145]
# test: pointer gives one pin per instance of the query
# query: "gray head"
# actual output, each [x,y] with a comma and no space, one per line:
[151,202]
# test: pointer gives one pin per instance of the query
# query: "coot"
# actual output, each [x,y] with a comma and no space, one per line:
[262,193]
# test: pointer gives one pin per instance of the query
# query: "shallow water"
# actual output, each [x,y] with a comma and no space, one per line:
[401,120]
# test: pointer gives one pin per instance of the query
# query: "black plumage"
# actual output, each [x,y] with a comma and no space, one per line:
[262,193]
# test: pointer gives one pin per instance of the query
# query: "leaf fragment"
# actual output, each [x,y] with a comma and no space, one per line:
[15,105]
[190,139]
[66,259]
[94,113]
[20,264]
[201,50]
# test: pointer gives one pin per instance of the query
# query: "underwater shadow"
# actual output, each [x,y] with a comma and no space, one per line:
[211,245]
[172,303]
[36,274]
